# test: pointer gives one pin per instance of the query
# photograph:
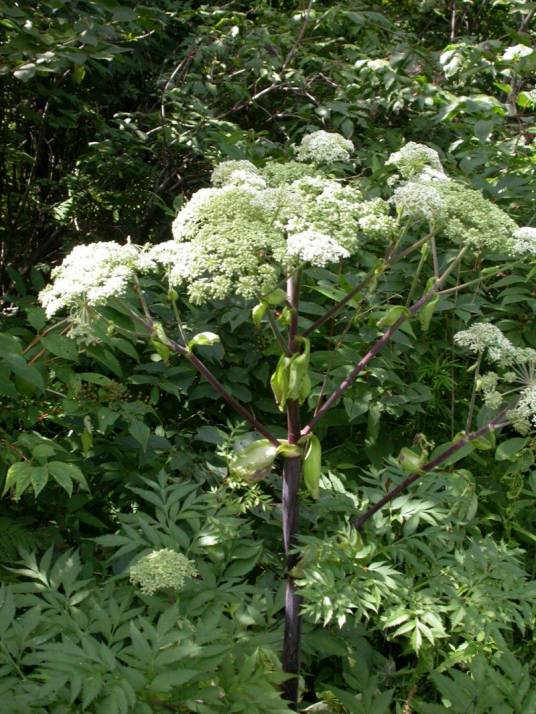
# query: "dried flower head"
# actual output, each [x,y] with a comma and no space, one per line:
[161,570]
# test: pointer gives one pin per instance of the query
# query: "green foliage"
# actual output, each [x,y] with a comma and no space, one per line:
[112,448]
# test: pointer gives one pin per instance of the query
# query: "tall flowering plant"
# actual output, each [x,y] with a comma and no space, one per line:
[253,235]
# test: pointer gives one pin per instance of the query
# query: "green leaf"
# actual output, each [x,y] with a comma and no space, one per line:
[140,432]
[18,475]
[510,448]
[60,346]
[8,343]
[166,681]
[36,317]
[25,71]
[39,479]
[483,129]
[65,474]
[26,372]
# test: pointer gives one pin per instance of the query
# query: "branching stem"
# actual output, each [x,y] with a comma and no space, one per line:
[380,344]
[430,466]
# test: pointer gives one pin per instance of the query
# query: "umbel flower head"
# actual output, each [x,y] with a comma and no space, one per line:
[163,569]
[513,365]
[254,224]
[525,241]
[413,159]
[485,338]
[460,214]
[322,147]
[89,275]
[243,234]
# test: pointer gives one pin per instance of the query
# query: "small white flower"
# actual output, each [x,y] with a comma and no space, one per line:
[239,169]
[419,202]
[315,248]
[177,259]
[324,147]
[523,415]
[90,275]
[484,337]
[524,241]
[413,158]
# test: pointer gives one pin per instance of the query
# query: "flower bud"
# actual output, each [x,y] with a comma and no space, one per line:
[204,339]
[254,461]
[393,315]
[312,465]
[410,460]
[258,312]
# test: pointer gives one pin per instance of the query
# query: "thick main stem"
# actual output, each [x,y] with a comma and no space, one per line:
[291,482]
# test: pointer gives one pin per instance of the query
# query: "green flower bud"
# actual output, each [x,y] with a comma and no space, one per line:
[410,460]
[258,312]
[393,315]
[254,461]
[285,317]
[427,312]
[204,339]
[279,381]
[312,465]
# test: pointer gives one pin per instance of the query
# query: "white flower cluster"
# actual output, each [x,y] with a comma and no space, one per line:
[237,173]
[485,338]
[163,569]
[487,384]
[420,202]
[413,159]
[323,147]
[524,241]
[374,220]
[461,214]
[316,248]
[177,260]
[89,275]
[321,206]
[523,415]
[520,365]
[239,237]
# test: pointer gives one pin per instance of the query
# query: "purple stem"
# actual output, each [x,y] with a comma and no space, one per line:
[291,482]
[430,466]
